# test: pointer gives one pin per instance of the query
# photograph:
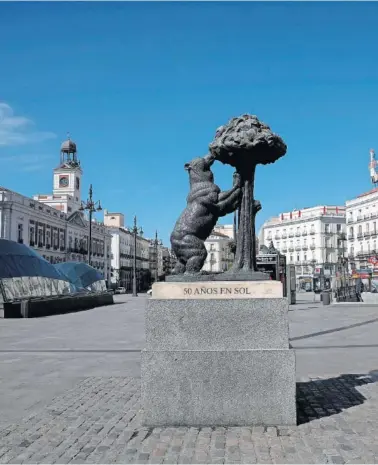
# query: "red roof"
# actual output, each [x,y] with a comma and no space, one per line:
[367,193]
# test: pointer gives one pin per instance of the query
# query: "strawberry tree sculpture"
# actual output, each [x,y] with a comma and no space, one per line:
[243,143]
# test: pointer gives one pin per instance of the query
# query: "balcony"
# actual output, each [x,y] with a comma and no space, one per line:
[277,236]
[284,235]
[374,233]
[298,247]
[305,247]
[40,245]
[48,246]
[291,234]
[291,249]
[31,243]
[360,236]
[284,249]
[298,234]
[359,218]
[312,232]
[350,220]
[351,237]
[367,217]
[304,233]
[312,246]
[367,234]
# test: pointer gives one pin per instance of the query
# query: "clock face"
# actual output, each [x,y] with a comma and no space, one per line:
[63,181]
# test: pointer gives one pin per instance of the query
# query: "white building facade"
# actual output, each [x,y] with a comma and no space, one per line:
[122,253]
[362,231]
[311,239]
[53,224]
[219,256]
[225,229]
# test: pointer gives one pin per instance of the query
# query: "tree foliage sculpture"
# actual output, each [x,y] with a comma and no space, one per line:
[243,143]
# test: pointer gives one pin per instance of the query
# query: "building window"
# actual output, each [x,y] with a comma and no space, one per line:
[298,258]
[367,227]
[338,228]
[291,258]
[359,229]
[31,236]
[327,228]
[305,257]
[40,237]
[20,233]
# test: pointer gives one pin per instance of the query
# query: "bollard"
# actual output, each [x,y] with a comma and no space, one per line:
[25,308]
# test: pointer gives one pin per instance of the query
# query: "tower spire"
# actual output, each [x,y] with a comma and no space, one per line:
[68,152]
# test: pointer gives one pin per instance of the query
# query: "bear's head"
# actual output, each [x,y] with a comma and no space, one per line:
[199,169]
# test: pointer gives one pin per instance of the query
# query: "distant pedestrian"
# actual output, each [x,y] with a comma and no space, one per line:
[359,290]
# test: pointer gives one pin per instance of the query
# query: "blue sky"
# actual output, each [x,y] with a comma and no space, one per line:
[142,87]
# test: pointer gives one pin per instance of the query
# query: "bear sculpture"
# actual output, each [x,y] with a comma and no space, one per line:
[205,205]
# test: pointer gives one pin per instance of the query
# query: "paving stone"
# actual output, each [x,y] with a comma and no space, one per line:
[97,420]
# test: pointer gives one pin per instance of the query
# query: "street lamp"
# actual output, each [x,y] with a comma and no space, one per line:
[313,264]
[135,231]
[342,259]
[156,242]
[91,207]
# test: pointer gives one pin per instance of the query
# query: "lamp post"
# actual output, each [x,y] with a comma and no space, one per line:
[91,207]
[342,259]
[135,231]
[156,242]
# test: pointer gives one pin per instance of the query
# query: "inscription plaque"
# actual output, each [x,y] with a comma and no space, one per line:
[218,290]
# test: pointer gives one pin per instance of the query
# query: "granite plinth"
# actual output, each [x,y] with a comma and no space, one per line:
[218,361]
[217,290]
[218,388]
[217,324]
[237,275]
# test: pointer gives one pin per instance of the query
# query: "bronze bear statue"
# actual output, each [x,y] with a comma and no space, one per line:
[205,205]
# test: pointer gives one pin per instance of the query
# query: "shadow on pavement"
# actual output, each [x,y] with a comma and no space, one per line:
[325,397]
[334,330]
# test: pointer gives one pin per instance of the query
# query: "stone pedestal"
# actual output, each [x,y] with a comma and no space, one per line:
[217,354]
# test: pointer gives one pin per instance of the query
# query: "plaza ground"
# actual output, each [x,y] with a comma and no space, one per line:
[69,392]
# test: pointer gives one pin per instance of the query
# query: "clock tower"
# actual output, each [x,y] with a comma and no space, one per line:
[67,176]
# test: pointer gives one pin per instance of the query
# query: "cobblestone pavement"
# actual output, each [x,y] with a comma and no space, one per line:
[99,421]
[69,393]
